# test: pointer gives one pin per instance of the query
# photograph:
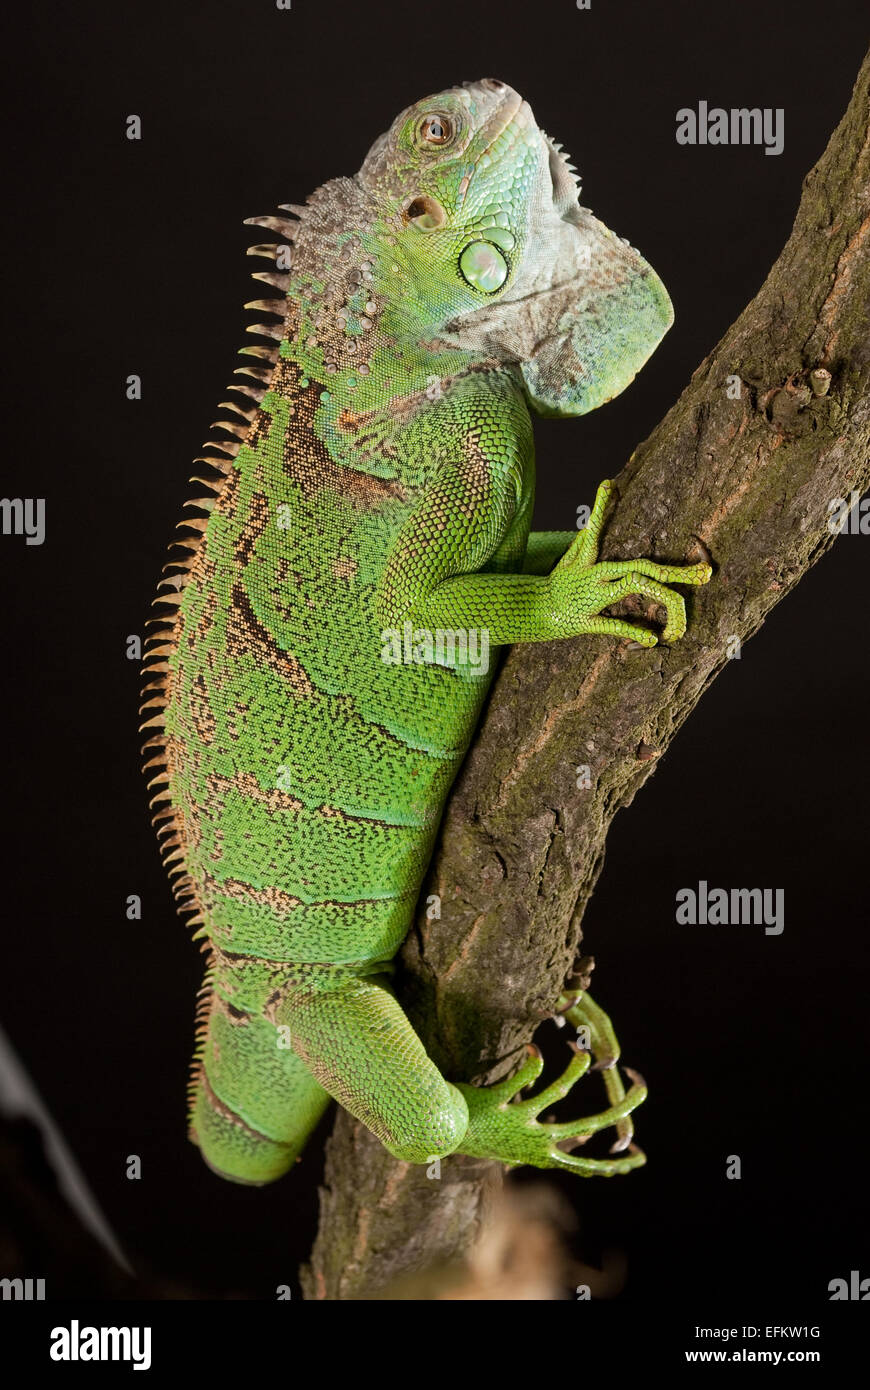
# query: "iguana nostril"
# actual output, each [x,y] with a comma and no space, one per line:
[425,213]
[492,84]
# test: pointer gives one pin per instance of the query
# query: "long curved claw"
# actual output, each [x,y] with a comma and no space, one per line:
[600,1167]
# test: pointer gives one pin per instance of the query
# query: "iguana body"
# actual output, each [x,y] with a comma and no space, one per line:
[379,489]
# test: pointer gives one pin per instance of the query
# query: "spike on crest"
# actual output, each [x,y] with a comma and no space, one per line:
[264,353]
[278,307]
[249,415]
[258,373]
[253,393]
[282,225]
[278,279]
[267,330]
[240,431]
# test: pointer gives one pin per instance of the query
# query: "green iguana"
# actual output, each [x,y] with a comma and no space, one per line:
[313,691]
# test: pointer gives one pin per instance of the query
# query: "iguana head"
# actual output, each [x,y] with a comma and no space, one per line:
[496,255]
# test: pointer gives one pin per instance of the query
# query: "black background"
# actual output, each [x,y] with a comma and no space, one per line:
[129,257]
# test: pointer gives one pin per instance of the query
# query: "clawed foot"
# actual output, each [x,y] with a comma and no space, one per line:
[583,586]
[509,1131]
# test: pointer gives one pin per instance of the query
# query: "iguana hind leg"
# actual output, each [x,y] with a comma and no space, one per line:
[361,1047]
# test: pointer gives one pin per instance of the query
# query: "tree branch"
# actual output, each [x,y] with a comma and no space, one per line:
[751,478]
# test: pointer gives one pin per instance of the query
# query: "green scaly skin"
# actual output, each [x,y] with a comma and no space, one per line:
[383,475]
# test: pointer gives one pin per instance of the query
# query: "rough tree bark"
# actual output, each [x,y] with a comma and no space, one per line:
[521,847]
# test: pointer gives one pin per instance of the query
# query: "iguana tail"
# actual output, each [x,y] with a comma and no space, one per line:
[253,1104]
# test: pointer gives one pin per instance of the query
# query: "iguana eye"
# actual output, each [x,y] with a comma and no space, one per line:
[436,130]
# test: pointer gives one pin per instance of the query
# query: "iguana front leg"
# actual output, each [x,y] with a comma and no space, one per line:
[524,607]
